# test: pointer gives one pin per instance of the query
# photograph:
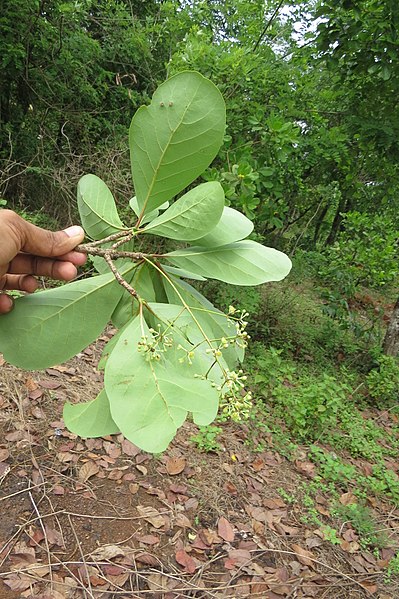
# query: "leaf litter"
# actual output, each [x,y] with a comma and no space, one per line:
[100,518]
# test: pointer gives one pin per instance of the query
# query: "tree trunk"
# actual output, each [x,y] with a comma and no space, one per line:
[318,224]
[390,346]
[336,223]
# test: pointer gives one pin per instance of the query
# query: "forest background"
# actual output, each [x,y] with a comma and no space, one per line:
[311,155]
[311,148]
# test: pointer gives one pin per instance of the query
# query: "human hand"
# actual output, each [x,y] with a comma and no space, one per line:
[27,251]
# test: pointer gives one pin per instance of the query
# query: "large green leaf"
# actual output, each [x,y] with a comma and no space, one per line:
[182,273]
[232,226]
[97,208]
[90,419]
[175,138]
[240,263]
[197,322]
[149,400]
[142,282]
[216,324]
[49,327]
[192,215]
[150,215]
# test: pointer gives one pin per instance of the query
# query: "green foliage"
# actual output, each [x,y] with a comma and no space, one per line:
[174,353]
[92,418]
[365,253]
[97,208]
[163,157]
[330,534]
[382,481]
[363,523]
[383,381]
[392,568]
[312,407]
[46,328]
[206,438]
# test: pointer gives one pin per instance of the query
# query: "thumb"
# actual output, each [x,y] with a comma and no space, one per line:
[42,242]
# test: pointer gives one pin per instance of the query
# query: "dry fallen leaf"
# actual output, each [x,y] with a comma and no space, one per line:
[4,454]
[306,468]
[370,587]
[148,539]
[237,558]
[129,449]
[133,488]
[304,556]
[108,552]
[146,558]
[157,582]
[182,520]
[175,465]
[142,469]
[54,537]
[18,582]
[225,530]
[151,515]
[88,470]
[4,469]
[348,498]
[185,560]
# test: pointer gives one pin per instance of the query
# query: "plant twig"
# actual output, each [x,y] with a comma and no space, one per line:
[113,237]
[119,277]
[45,537]
[114,254]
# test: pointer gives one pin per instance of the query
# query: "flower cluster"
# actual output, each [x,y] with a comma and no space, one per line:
[189,355]
[155,345]
[236,407]
[239,317]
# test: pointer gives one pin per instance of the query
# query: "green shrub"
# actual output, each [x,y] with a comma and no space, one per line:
[311,406]
[363,522]
[383,381]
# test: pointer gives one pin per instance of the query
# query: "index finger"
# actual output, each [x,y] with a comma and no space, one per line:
[77,258]
[27,264]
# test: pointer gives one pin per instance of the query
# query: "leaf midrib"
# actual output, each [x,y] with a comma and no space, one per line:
[156,170]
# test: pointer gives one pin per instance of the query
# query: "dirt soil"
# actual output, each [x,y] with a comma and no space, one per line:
[99,518]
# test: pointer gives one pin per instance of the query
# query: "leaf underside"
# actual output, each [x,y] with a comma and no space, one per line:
[97,208]
[241,263]
[50,327]
[90,419]
[175,138]
[149,401]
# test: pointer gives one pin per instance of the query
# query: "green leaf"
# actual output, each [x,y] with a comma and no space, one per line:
[173,140]
[127,306]
[177,322]
[97,208]
[195,213]
[49,327]
[149,401]
[90,419]
[151,215]
[232,226]
[178,291]
[141,280]
[182,273]
[240,263]
[194,323]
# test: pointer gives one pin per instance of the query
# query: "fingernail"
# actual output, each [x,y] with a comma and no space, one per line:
[74,231]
